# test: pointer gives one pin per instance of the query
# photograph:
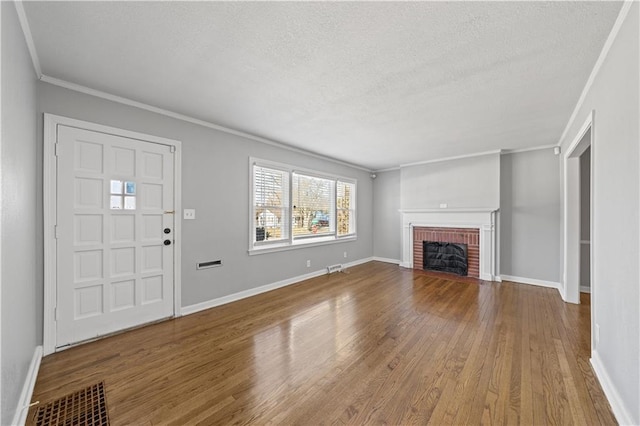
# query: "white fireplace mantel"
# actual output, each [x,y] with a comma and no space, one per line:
[483,219]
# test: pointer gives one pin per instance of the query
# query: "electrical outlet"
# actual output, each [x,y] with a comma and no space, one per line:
[308,264]
[345,254]
[189,214]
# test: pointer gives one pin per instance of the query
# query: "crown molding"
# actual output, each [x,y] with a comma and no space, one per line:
[458,157]
[477,154]
[126,101]
[26,30]
[388,169]
[624,11]
[533,148]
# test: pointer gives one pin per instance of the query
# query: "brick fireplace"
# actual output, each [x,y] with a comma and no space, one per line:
[474,227]
[468,236]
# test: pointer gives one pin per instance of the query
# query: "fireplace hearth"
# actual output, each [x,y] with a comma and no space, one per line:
[445,257]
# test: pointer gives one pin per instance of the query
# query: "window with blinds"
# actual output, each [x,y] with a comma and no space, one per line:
[271,204]
[294,207]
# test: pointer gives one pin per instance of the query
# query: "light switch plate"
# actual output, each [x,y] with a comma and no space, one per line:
[189,214]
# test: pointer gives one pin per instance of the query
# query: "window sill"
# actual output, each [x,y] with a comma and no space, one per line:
[300,244]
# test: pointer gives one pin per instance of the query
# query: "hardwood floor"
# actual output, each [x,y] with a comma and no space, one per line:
[380,344]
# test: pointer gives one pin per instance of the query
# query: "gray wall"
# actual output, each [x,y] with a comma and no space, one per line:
[525,186]
[616,202]
[387,221]
[216,183]
[21,279]
[585,216]
[530,215]
[464,183]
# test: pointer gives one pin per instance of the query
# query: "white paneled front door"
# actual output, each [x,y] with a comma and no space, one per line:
[114,235]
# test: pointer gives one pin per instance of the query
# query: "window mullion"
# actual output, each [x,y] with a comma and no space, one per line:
[290,213]
[334,201]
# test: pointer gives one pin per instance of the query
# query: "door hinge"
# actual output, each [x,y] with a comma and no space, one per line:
[172,148]
[55,149]
[55,313]
[55,231]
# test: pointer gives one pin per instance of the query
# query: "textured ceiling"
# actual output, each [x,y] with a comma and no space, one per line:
[376,84]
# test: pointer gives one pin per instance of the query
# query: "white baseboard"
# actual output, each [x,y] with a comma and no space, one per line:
[561,291]
[192,309]
[585,289]
[623,415]
[405,265]
[530,281]
[488,277]
[387,260]
[22,410]
[357,262]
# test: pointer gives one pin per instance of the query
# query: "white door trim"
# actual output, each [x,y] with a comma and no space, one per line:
[49,187]
[571,267]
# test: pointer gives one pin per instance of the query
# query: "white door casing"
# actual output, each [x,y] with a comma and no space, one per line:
[572,217]
[571,214]
[109,265]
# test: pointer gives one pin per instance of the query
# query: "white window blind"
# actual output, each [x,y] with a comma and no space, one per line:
[271,204]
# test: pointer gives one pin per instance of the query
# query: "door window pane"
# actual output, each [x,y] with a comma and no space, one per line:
[130,188]
[116,202]
[116,187]
[129,203]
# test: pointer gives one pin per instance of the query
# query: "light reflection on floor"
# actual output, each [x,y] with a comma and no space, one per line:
[289,349]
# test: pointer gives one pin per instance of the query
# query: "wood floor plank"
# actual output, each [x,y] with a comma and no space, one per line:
[377,345]
[526,386]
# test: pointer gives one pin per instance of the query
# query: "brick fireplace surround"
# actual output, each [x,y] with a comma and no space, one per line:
[481,222]
[468,236]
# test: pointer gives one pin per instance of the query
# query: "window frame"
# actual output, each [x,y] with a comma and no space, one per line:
[287,212]
[292,242]
[353,210]
[332,209]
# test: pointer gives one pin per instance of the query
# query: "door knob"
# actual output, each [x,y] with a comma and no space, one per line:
[167,242]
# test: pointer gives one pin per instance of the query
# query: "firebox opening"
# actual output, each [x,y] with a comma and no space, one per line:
[445,257]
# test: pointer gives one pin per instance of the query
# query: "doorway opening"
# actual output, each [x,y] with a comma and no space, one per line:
[585,220]
[578,163]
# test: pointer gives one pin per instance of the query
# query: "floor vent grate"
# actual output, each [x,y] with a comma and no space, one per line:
[334,268]
[87,407]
